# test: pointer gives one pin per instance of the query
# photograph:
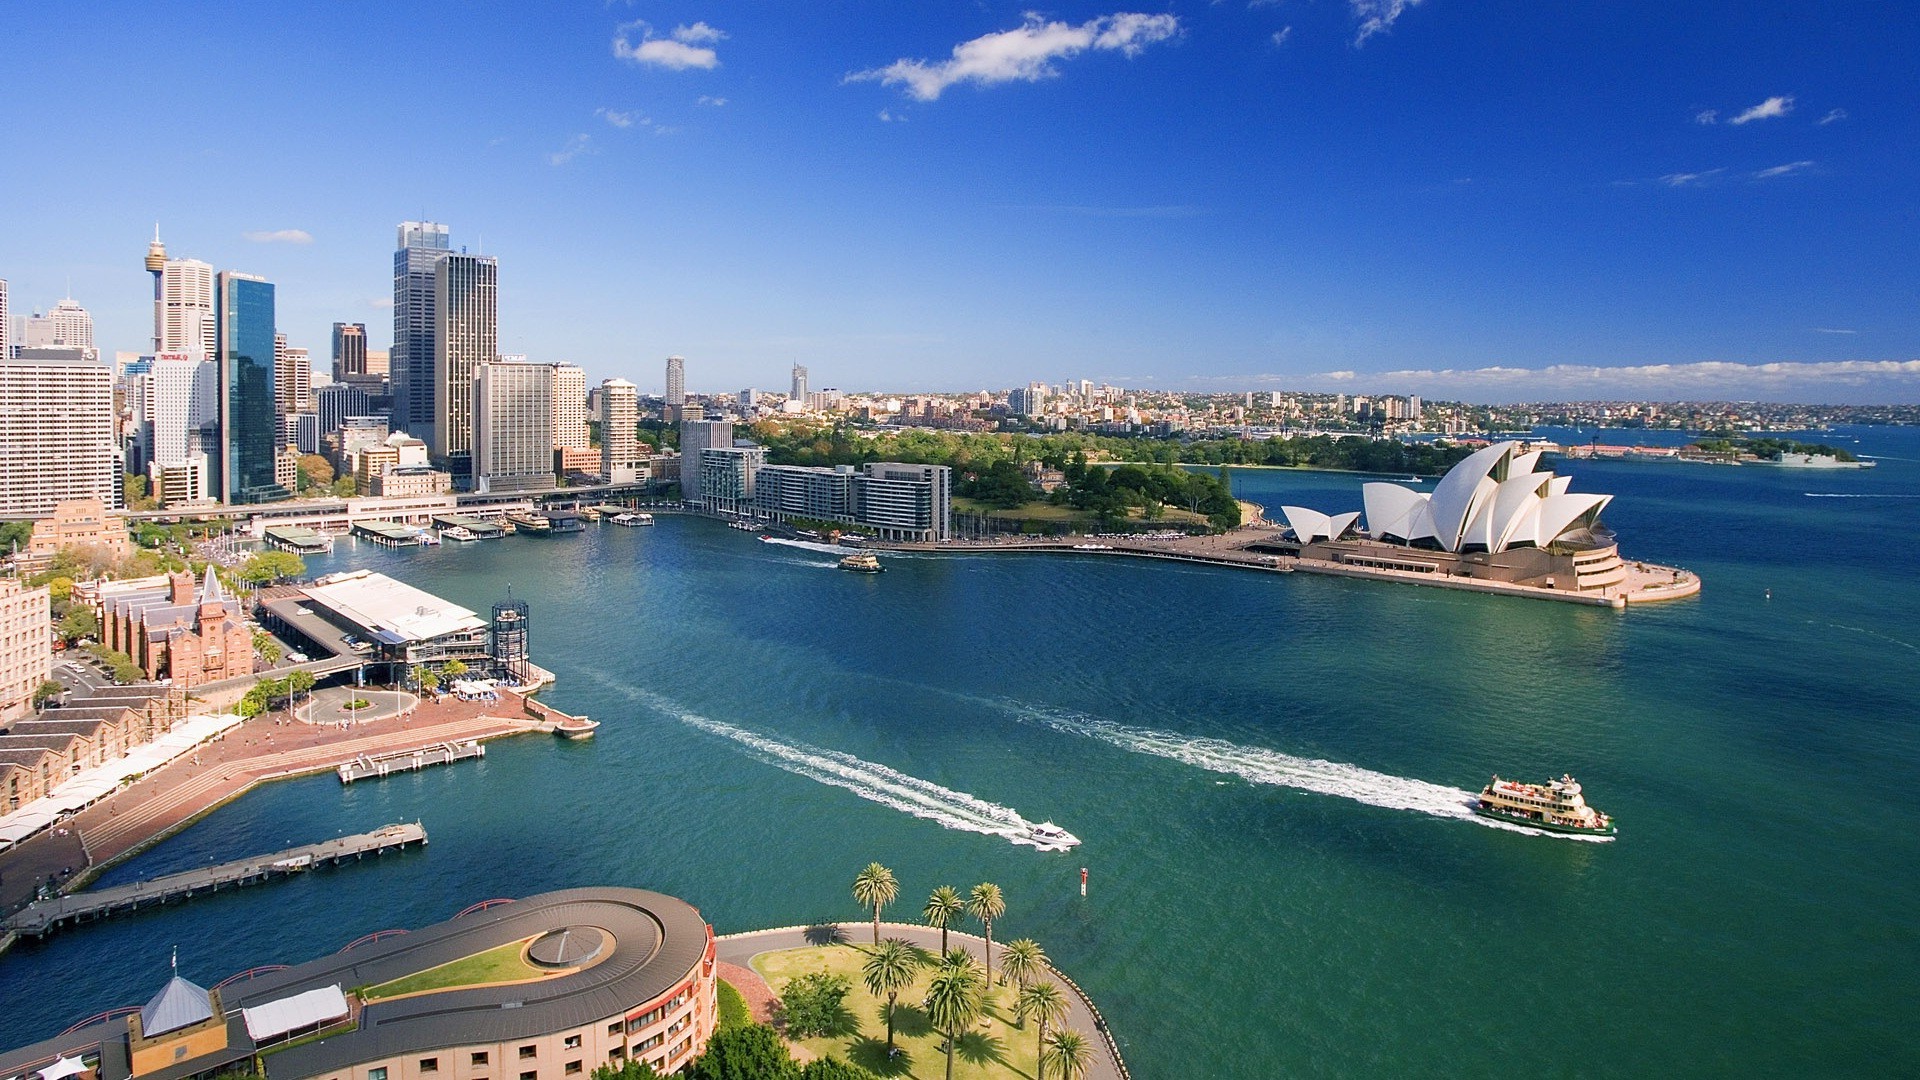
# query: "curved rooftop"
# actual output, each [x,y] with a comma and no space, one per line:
[1492,501]
[649,942]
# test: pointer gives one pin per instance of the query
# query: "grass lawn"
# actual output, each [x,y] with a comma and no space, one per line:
[993,1049]
[1047,512]
[501,964]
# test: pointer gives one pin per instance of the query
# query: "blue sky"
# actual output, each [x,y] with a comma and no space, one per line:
[1499,201]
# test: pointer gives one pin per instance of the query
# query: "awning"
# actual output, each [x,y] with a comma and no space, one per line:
[62,1068]
[301,1011]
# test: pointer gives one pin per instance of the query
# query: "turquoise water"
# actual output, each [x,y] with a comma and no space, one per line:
[1262,769]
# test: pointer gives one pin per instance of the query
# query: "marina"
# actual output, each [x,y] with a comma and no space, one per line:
[47,916]
[371,766]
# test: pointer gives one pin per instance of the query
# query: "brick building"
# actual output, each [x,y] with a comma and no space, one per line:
[175,632]
[26,646]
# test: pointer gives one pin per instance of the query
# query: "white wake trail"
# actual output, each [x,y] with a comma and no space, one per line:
[1263,766]
[869,780]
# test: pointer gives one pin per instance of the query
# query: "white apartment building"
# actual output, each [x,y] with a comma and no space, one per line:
[56,436]
[513,411]
[569,408]
[620,459]
[180,418]
[67,326]
[183,315]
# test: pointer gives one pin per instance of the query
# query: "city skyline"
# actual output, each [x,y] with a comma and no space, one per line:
[1210,197]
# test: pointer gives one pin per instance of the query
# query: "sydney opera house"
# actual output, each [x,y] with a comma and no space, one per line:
[1495,517]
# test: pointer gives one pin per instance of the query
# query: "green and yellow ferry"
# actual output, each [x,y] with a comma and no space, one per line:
[1556,806]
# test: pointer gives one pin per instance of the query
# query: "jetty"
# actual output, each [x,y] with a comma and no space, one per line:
[45,916]
[367,766]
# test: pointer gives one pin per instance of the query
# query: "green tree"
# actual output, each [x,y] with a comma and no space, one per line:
[815,1004]
[453,669]
[46,692]
[315,470]
[426,677]
[953,1001]
[832,1068]
[1067,1054]
[1045,1004]
[890,968]
[60,589]
[629,1069]
[271,566]
[1021,960]
[119,664]
[134,487]
[944,908]
[267,647]
[79,622]
[875,888]
[299,682]
[986,903]
[750,1052]
[14,534]
[344,486]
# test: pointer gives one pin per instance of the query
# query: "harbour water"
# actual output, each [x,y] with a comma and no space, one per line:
[1266,772]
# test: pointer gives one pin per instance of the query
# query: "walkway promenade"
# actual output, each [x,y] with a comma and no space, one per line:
[1082,1016]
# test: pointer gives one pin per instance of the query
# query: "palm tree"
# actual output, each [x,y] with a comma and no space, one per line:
[1045,1003]
[953,1001]
[943,908]
[1069,1051]
[874,887]
[1021,959]
[986,904]
[889,969]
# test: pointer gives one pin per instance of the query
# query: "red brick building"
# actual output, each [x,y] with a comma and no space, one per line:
[177,632]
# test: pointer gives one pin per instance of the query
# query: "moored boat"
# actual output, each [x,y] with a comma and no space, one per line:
[459,533]
[1556,806]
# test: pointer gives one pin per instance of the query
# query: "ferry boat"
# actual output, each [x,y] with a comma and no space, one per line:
[531,524]
[862,562]
[631,520]
[1052,837]
[459,534]
[1556,806]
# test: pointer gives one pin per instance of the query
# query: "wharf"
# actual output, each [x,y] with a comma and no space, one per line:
[481,529]
[44,917]
[368,766]
[387,534]
[300,541]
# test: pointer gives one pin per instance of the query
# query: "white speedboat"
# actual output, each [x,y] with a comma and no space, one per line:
[1051,837]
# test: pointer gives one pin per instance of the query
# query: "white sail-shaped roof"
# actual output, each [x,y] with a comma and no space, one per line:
[1395,512]
[1310,525]
[1496,499]
[1459,493]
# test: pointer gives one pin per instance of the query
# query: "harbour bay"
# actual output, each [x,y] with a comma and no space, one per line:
[1752,916]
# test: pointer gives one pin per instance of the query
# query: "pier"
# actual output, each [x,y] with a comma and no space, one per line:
[46,916]
[369,766]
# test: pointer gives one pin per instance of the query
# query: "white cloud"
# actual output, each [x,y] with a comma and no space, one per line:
[1024,54]
[1700,380]
[708,99]
[1833,116]
[621,119]
[662,129]
[1707,116]
[279,236]
[1777,106]
[676,55]
[1690,179]
[698,34]
[1788,169]
[576,146]
[1378,16]
[1281,35]
[891,117]
[1832,330]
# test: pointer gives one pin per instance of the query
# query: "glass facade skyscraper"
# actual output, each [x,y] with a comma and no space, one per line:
[249,428]
[422,244]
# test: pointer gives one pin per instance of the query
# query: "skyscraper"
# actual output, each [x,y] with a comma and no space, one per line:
[56,435]
[184,310]
[695,436]
[466,331]
[799,393]
[513,427]
[249,429]
[180,423]
[676,381]
[569,408]
[292,378]
[6,324]
[67,326]
[619,431]
[421,245]
[349,350]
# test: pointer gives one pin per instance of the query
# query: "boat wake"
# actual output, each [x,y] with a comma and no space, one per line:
[1263,766]
[1861,495]
[807,545]
[869,780]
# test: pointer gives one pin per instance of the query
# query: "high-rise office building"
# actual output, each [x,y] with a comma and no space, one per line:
[799,385]
[620,457]
[292,378]
[56,435]
[249,428]
[570,408]
[466,333]
[183,310]
[67,326]
[379,362]
[695,436]
[421,245]
[513,427]
[676,381]
[349,350]
[6,324]
[180,423]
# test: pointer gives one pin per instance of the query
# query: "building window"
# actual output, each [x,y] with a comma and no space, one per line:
[613,1028]
[529,1076]
[527,1052]
[479,1057]
[573,1068]
[573,1042]
[377,1074]
[428,1065]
